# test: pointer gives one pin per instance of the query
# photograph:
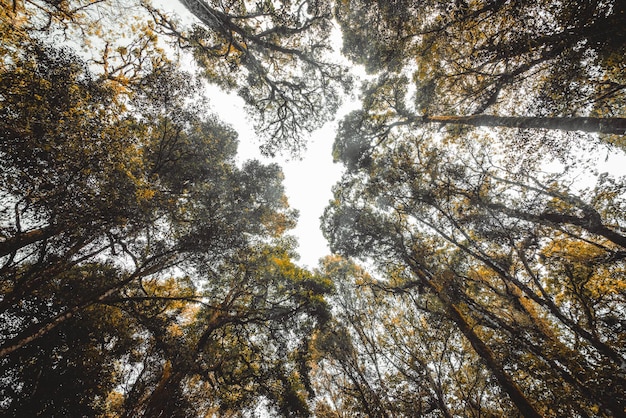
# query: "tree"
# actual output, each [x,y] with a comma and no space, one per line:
[247,341]
[477,237]
[390,353]
[76,177]
[476,63]
[462,225]
[276,56]
[122,200]
[71,370]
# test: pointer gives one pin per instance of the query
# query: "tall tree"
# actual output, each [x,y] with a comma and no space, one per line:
[248,341]
[277,57]
[120,198]
[390,353]
[456,222]
[73,369]
[491,63]
[478,238]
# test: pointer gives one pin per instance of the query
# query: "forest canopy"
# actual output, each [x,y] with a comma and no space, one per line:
[478,262]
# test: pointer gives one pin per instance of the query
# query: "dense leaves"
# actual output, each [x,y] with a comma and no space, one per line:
[481,253]
[145,271]
[513,261]
[512,64]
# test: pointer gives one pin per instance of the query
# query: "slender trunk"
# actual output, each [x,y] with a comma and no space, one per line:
[510,387]
[615,126]
[516,395]
[38,330]
[568,363]
[368,398]
[589,224]
[591,221]
[542,300]
[435,386]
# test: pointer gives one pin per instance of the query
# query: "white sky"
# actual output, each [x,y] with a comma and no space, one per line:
[308,180]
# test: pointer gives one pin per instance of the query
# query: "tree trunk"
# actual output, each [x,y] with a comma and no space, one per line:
[21,240]
[591,221]
[615,126]
[163,397]
[510,387]
[516,395]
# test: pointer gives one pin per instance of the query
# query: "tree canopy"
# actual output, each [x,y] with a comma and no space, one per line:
[479,251]
[276,55]
[144,272]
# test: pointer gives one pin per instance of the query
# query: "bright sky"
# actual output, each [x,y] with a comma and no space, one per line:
[308,180]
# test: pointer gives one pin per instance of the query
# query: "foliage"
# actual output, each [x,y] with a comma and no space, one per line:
[510,260]
[394,354]
[480,256]
[144,272]
[437,61]
[276,55]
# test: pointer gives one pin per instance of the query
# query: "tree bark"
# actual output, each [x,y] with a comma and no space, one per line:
[162,399]
[616,126]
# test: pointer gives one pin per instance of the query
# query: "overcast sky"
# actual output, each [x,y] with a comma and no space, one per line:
[308,180]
